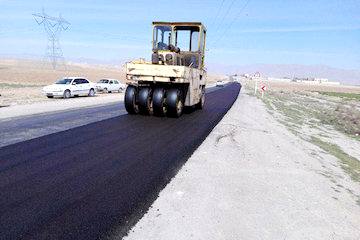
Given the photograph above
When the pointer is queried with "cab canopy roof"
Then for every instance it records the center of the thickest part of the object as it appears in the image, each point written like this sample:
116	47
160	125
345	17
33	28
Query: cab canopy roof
183	24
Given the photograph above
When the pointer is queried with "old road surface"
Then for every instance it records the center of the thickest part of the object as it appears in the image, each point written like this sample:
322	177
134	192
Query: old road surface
96	180
19	129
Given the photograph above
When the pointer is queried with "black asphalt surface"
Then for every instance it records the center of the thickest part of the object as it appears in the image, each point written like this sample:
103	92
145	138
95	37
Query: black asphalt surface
96	180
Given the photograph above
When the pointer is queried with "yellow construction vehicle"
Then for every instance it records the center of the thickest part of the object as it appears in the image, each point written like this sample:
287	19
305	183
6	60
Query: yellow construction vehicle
176	76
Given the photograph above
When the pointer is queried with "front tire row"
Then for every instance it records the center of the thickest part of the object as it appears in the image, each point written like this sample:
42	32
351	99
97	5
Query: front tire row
131	104
159	105
174	103
158	101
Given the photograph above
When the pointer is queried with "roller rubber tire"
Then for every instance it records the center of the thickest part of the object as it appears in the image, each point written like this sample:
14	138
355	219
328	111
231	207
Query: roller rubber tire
174	103
145	101
159	106
200	105
130	100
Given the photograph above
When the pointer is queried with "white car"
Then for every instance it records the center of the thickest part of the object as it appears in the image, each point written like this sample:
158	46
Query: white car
220	83
70	87
110	85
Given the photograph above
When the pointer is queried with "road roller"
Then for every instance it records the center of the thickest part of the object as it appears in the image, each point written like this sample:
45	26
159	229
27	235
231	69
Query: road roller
175	77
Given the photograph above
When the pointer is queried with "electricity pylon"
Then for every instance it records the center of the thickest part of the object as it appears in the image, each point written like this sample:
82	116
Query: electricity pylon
53	27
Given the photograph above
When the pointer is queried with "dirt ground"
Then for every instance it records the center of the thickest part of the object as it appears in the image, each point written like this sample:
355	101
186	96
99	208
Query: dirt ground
21	81
330	120
34	73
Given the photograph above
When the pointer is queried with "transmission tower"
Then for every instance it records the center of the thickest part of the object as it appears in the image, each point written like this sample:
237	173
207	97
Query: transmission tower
53	27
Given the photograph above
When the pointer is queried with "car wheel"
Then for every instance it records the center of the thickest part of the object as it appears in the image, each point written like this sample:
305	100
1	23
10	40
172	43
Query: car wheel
105	90
67	94
91	92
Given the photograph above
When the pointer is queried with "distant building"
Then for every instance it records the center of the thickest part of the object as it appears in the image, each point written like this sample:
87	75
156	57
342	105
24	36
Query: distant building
315	81
279	79
331	83
321	80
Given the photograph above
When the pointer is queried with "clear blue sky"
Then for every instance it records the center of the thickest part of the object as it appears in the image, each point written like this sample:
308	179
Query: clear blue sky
278	31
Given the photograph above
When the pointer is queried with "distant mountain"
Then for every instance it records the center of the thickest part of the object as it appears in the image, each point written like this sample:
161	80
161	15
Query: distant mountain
345	76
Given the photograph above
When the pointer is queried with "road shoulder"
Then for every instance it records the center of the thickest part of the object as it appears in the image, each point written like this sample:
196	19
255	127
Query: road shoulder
58	105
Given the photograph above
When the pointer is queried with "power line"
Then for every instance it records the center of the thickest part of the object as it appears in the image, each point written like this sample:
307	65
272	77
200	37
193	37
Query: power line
232	22
218	12
53	27
223	18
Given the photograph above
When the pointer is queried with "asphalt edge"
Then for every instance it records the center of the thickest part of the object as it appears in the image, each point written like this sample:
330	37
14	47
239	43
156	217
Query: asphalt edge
121	232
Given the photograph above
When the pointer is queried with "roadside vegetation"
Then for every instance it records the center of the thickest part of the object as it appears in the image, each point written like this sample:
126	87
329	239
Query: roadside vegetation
316	111
330	120
349	164
354	96
18	85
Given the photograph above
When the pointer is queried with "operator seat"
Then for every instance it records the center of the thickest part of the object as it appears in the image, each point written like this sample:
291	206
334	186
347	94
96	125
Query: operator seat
191	59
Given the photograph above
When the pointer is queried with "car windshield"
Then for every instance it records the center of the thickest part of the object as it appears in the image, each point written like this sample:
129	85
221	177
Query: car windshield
103	81
64	81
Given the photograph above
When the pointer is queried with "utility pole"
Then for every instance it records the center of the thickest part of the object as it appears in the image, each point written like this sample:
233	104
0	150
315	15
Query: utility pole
53	27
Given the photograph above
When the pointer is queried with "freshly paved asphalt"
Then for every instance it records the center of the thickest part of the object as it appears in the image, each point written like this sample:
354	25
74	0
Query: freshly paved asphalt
96	180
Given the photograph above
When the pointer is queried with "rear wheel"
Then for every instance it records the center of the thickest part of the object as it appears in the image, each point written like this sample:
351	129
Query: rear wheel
91	92
67	94
159	102
145	101
174	103
200	105
131	105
